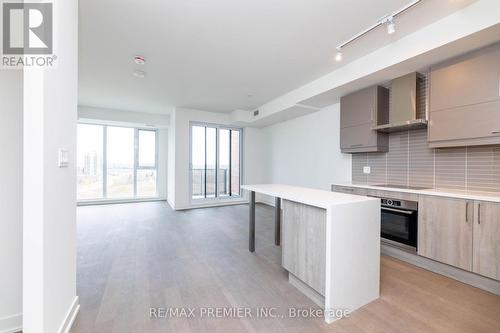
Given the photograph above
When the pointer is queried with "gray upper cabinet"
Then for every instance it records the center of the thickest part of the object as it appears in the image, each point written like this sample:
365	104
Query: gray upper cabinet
359	113
464	106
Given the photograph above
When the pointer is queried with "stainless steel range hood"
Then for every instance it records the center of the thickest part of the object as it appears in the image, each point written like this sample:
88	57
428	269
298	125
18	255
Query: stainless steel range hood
405	93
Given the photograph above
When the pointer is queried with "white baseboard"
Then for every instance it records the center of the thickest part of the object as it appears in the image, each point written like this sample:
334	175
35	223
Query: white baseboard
171	203
116	201
11	324
70	316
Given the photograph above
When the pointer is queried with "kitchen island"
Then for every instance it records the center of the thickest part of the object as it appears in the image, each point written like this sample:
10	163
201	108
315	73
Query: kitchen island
330	245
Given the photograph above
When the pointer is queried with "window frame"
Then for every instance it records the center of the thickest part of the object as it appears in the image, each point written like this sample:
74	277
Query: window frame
137	167
217	198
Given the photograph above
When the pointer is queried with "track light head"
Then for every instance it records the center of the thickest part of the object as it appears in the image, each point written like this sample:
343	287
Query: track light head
391	26
338	56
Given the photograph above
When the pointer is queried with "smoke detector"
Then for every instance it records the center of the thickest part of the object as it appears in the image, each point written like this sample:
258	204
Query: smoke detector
139	60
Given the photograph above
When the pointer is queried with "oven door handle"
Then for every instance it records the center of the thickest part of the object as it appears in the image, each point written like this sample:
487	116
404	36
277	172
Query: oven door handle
408	212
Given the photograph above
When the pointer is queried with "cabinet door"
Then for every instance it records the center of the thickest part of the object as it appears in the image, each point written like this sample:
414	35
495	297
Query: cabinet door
468	125
467	80
445	230
304	243
358	108
361	136
486	244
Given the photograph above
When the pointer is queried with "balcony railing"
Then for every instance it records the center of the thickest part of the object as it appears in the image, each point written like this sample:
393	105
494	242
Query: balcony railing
198	182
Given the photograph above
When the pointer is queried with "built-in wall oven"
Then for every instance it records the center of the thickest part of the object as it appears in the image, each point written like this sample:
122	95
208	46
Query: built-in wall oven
399	222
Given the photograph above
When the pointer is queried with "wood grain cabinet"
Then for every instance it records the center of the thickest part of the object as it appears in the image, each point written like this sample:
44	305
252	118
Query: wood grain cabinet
445	230
464	101
486	243
461	233
359	113
304	243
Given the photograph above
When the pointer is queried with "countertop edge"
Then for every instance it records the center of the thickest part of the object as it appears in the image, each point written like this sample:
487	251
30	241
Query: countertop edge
431	192
323	203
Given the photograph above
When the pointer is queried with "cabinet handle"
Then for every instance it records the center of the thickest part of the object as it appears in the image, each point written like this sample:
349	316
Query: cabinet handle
495	132
358	145
478	213
467	212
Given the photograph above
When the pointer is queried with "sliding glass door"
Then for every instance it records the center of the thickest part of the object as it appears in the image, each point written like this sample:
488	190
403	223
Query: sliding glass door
116	162
215	161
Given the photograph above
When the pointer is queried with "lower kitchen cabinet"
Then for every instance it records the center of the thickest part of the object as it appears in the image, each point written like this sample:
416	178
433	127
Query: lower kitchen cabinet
461	233
486	243
445	230
304	243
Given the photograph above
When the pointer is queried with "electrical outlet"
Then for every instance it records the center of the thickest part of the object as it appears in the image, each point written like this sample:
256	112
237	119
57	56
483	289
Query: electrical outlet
367	170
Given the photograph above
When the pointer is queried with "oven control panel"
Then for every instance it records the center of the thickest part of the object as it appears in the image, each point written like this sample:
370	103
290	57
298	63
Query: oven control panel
402	204
390	202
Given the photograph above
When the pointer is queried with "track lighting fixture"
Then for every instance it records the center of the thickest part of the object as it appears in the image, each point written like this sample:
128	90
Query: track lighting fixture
388	20
391	26
338	56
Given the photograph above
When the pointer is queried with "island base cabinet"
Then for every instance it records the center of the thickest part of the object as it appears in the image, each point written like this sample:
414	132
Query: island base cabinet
445	230
304	243
486	243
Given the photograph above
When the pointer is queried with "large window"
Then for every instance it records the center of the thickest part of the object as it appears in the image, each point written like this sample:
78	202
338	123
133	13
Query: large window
90	161
116	162
215	161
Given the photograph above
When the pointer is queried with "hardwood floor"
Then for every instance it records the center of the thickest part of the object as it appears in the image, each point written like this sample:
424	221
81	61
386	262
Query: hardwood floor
133	257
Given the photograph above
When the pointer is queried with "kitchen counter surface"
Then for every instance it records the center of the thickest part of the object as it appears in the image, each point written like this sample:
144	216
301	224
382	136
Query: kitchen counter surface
313	197
346	275
467	195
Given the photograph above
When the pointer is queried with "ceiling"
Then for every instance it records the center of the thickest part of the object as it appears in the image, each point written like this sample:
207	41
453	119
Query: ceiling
223	55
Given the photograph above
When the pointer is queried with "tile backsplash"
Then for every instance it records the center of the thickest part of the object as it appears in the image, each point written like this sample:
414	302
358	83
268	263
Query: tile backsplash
411	162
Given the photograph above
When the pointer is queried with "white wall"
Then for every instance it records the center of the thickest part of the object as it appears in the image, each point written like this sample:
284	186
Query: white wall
305	151
11	209
135	119
254	150
179	197
49	207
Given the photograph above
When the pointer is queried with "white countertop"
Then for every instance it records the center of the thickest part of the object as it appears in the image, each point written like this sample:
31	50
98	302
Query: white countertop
308	196
467	195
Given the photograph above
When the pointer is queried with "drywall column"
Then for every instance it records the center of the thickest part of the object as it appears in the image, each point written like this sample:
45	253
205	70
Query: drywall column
49	229
11	209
